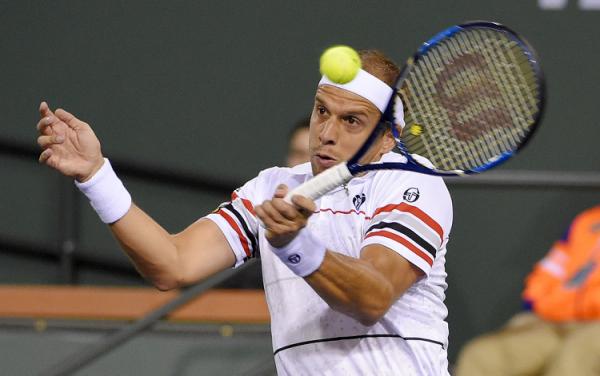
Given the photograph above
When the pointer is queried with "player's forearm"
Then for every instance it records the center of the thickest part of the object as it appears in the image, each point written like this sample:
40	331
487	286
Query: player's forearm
150	247
352	286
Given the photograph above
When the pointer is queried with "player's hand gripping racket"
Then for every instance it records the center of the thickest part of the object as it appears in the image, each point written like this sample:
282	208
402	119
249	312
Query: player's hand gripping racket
473	96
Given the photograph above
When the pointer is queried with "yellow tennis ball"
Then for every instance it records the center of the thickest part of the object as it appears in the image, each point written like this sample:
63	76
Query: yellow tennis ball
340	64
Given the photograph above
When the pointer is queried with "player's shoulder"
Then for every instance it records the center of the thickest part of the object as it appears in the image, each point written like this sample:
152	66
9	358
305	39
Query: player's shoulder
399	180
283	173
267	180
428	193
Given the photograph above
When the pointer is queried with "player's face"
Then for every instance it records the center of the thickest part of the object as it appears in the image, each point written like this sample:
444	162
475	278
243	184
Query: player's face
340	123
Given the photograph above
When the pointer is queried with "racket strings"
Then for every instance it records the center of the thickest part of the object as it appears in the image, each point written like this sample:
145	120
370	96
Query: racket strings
420	86
470	99
426	89
483	105
465	111
511	81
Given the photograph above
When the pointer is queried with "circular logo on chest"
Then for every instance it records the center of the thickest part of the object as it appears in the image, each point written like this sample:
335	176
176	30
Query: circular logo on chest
411	194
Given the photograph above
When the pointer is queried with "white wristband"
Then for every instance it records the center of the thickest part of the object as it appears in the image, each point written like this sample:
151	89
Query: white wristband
303	255
107	194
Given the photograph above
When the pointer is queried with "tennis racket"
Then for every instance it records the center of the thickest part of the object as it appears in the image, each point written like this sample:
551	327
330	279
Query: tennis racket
473	96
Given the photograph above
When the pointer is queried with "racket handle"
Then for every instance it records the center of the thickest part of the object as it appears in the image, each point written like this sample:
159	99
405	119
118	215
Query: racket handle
322	183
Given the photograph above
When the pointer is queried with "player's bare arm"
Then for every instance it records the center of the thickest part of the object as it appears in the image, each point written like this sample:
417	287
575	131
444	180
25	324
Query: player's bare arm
70	146
171	261
363	288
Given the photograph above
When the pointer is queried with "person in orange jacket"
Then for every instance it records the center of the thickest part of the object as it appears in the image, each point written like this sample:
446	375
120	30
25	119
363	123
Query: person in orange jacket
559	332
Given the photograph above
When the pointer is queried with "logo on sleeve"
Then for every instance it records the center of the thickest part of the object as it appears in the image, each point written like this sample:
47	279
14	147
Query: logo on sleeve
358	200
411	194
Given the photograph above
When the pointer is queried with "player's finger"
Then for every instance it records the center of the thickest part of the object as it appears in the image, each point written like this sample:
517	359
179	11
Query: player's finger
305	205
281	191
46	141
260	213
273	213
44	123
267	222
276	229
70	119
44	109
285	209
45	155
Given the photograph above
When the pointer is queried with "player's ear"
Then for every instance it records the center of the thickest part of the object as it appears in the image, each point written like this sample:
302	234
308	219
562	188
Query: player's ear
388	141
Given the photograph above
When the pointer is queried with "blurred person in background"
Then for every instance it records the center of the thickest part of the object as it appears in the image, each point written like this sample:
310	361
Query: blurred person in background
558	334
298	151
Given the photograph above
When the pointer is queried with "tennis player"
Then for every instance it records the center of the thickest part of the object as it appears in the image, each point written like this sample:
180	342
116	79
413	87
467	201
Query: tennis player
354	281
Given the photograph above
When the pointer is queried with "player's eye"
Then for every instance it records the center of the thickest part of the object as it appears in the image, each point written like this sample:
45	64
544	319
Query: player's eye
321	110
351	120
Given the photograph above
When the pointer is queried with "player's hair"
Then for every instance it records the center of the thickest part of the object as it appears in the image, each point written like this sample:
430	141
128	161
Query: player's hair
379	65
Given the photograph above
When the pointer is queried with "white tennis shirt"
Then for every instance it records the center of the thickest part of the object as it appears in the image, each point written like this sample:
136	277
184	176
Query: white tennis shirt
408	213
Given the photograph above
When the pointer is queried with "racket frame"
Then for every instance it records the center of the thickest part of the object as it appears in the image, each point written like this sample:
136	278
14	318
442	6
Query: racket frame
387	118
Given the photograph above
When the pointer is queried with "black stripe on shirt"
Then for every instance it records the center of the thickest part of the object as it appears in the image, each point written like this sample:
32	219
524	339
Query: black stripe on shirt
358	337
408	232
247	231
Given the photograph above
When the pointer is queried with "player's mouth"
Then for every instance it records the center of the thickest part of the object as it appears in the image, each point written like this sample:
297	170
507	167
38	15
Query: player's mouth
325	160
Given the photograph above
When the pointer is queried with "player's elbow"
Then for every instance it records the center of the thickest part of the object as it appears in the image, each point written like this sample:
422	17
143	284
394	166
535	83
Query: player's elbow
369	317
373	308
165	277
168	281
369	320
165	284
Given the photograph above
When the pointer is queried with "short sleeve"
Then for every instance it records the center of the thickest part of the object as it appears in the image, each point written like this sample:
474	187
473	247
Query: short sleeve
238	222
411	215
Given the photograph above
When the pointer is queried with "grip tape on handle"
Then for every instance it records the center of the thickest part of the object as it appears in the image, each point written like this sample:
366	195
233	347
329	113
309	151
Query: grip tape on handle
322	183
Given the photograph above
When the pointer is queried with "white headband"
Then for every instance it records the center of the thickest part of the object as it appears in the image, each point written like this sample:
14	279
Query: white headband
372	89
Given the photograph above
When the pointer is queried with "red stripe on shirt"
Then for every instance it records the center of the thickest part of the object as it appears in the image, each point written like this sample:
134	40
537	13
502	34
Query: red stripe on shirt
414	211
342	212
247	204
404	242
236	228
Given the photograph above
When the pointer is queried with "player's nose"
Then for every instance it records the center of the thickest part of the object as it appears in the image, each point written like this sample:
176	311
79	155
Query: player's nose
329	132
